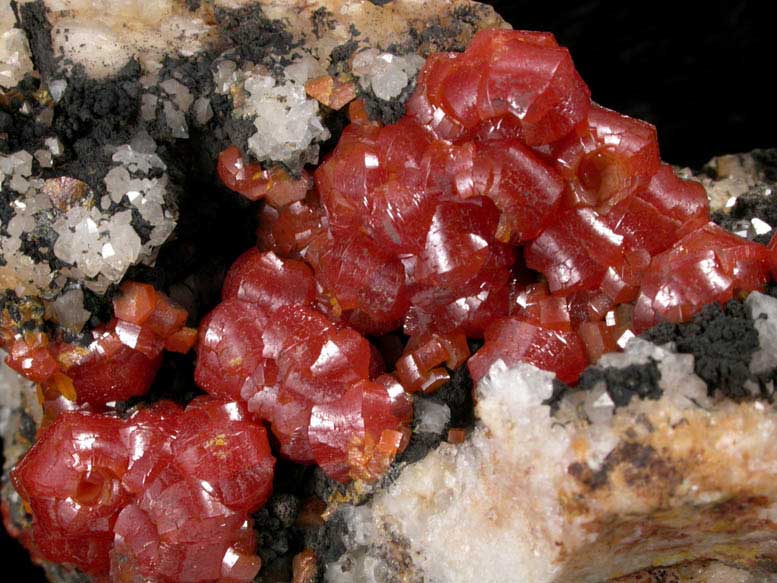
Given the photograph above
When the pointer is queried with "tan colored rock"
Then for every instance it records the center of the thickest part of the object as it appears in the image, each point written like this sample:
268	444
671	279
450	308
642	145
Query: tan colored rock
698	572
15	60
730	176
583	496
103	36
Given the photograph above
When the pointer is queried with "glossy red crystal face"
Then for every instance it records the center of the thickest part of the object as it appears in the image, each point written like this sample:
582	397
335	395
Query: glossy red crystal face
163	495
707	265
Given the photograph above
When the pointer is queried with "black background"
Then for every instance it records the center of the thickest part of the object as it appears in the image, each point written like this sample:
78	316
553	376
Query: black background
701	72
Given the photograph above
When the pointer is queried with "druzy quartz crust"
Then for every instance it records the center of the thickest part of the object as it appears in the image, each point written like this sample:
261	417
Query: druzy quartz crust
504	207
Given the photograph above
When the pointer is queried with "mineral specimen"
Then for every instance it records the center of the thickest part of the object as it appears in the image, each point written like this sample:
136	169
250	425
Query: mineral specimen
423	217
500	213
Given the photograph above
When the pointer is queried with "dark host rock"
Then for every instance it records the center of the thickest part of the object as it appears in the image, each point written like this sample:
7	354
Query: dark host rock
253	34
722	341
753	205
623	384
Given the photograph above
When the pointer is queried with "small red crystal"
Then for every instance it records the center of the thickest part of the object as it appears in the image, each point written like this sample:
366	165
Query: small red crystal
575	252
96	380
288	231
253	182
230	347
268	281
362	282
526	190
521	74
607	160
135	303
182	341
512	341
422	367
358	435
707	266
32	361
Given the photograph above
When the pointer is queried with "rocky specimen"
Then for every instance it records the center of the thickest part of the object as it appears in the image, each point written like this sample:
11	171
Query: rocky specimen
418	223
602	488
108	148
698	572
470	198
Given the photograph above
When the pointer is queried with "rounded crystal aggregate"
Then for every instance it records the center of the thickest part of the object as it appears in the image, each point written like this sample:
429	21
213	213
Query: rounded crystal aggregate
164	492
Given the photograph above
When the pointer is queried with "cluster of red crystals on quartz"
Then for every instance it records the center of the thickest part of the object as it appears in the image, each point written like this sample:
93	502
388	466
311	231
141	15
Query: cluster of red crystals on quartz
120	362
164	495
504	206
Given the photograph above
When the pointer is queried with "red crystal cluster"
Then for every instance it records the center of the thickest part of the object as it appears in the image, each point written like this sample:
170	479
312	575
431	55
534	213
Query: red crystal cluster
507	206
164	494
318	382
145	323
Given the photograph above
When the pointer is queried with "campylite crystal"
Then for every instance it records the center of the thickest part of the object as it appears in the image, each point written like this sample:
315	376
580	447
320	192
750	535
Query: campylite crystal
165	492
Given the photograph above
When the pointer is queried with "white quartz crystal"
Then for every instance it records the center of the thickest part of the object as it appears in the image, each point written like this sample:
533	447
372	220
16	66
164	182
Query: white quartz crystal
287	121
385	74
15	60
179	100
303	69
202	110
225	76
54	145
57	89
148	103
44	158
12	387
179	92
176	120
431	417
763	309
68	310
